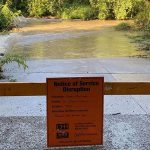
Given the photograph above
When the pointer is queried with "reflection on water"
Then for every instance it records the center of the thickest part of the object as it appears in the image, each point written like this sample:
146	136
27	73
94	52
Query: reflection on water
103	42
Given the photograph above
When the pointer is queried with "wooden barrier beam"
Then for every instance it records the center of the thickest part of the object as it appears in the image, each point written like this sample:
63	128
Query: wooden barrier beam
127	88
39	89
22	89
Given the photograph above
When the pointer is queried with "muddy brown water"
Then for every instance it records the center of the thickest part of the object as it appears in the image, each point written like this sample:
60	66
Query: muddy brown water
64	40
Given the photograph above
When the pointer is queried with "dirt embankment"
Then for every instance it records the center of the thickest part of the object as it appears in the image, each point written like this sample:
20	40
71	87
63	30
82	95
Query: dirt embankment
67	25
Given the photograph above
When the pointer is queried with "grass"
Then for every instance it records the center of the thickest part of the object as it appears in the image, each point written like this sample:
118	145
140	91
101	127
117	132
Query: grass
140	37
123	26
142	40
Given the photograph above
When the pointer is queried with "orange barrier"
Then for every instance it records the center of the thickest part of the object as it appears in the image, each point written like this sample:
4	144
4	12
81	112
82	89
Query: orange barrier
39	89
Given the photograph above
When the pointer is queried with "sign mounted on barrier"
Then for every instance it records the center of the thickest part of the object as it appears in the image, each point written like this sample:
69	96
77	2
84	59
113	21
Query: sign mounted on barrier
75	111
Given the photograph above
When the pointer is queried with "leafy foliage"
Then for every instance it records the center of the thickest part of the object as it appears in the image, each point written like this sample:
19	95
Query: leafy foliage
123	26
12	58
78	12
37	8
117	9
122	9
74	9
142	20
141	26
6	17
103	9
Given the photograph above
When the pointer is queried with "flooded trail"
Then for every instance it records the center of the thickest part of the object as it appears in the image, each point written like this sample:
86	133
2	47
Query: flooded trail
64	51
72	39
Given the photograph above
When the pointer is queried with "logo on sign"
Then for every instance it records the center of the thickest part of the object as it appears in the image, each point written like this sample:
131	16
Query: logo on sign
61	131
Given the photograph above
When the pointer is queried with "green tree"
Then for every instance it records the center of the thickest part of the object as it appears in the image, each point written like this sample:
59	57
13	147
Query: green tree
6	17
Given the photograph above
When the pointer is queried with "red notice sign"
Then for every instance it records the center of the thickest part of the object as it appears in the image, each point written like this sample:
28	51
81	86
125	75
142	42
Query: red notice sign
75	111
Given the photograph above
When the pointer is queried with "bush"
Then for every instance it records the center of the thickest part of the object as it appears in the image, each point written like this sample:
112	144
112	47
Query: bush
36	8
122	9
117	9
123	26
128	9
142	20
89	9
61	8
79	12
104	8
6	17
13	58
9	58
138	6
21	5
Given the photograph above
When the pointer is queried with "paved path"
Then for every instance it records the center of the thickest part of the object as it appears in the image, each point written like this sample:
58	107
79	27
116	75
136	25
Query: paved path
115	69
127	131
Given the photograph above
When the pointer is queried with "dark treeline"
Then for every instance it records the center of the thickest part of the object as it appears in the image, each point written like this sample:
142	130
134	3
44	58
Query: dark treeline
71	9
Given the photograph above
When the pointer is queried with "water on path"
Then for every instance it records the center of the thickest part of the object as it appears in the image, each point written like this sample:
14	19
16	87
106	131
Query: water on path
70	40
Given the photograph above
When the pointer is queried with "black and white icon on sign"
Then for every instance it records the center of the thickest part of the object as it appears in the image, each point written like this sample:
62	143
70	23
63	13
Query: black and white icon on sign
62	126
61	131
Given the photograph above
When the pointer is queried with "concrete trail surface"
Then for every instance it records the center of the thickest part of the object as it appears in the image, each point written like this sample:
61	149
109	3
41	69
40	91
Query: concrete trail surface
127	118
